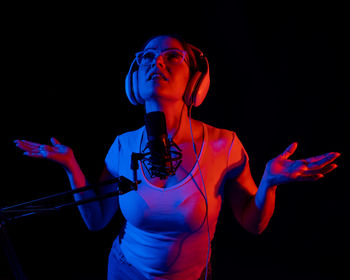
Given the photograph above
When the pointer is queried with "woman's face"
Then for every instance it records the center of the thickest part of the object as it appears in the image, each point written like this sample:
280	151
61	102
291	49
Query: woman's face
162	80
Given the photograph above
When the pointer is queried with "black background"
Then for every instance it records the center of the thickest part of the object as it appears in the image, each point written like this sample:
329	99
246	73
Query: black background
279	73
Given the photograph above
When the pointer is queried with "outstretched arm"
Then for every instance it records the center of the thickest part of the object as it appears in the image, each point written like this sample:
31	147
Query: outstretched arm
95	214
252	206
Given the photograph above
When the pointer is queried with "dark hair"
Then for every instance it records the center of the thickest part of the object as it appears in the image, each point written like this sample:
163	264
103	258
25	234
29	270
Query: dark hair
192	60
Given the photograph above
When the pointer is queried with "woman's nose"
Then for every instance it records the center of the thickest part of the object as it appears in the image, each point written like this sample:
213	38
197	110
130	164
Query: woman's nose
159	61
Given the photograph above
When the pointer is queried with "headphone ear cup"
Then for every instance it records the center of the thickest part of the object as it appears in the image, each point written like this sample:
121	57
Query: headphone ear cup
129	83
198	86
202	87
135	86
190	89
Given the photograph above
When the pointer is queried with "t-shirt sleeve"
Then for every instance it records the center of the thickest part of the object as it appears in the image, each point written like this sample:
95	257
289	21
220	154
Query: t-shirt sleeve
112	158
237	157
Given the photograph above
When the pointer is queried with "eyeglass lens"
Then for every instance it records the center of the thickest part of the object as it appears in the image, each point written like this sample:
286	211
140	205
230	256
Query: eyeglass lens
169	57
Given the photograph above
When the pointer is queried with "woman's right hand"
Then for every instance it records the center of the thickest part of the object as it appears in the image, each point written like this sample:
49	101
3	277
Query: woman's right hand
56	152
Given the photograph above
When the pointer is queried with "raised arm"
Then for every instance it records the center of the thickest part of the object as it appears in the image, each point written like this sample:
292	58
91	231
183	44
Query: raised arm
96	215
242	192
252	206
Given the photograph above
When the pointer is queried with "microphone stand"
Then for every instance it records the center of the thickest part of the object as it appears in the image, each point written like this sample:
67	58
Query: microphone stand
11	213
9	252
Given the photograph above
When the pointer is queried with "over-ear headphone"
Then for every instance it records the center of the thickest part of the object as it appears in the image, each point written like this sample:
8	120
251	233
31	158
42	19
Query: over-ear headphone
197	87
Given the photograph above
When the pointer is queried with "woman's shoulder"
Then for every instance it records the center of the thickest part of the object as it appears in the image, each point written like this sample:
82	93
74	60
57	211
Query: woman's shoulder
128	138
218	133
132	134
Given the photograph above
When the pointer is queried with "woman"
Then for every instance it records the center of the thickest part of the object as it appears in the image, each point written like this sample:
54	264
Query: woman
171	221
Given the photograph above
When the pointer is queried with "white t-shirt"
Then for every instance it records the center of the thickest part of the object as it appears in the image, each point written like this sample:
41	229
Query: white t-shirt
165	235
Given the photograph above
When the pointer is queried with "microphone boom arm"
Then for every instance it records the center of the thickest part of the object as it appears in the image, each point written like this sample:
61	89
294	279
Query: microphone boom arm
123	185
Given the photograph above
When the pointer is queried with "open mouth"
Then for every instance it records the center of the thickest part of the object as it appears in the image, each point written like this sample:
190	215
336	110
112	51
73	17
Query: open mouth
157	76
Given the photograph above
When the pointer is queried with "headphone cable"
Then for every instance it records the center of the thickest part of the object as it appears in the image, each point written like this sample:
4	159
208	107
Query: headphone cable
204	195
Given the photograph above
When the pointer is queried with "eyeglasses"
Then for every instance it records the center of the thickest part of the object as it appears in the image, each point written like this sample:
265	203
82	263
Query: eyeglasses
171	56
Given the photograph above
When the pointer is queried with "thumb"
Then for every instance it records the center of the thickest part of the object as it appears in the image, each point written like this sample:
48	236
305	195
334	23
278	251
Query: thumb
290	150
54	141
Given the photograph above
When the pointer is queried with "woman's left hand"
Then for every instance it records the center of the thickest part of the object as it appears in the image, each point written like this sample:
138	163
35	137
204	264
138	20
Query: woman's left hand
281	169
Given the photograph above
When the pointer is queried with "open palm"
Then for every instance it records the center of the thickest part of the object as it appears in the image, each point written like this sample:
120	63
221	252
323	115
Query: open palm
56	152
282	170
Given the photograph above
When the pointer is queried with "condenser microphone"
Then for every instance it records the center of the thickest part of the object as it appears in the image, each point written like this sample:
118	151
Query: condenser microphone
160	160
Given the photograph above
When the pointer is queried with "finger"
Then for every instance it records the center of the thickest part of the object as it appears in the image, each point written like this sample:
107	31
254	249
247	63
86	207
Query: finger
27	143
320	157
290	150
33	149
54	141
321	161
27	147
324	170
24	146
309	177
